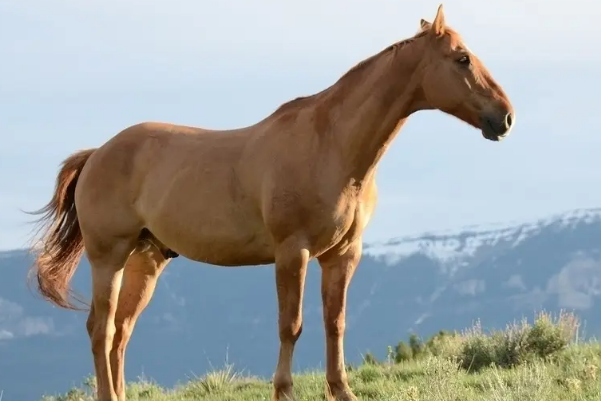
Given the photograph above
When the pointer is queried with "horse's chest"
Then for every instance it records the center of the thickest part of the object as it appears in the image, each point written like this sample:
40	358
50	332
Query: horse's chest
321	219
327	228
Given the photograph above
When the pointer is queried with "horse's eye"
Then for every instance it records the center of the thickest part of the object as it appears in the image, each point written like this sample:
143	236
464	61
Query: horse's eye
464	60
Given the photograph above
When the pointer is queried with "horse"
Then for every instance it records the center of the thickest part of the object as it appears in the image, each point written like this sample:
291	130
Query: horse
297	185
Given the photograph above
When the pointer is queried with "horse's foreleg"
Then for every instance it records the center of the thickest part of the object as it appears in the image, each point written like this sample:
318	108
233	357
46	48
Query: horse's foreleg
139	282
337	272
290	271
107	270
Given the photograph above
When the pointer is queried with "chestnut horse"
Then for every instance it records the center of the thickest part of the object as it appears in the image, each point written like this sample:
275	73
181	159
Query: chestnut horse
297	185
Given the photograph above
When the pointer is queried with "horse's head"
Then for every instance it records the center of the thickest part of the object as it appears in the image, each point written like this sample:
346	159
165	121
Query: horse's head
455	81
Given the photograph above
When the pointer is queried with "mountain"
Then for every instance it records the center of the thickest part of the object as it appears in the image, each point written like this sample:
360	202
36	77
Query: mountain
201	314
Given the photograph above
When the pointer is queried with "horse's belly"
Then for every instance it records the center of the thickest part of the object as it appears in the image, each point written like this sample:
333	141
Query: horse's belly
228	251
220	241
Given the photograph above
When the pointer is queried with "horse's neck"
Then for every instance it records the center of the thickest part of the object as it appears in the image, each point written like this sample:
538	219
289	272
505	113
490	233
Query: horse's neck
372	109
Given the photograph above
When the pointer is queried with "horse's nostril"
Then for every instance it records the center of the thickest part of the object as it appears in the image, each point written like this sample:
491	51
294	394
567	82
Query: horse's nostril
508	120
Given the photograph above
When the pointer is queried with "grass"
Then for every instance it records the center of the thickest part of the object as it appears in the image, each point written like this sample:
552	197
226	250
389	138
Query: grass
525	362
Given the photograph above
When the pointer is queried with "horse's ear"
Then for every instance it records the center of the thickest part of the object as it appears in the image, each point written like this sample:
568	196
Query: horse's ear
438	26
424	24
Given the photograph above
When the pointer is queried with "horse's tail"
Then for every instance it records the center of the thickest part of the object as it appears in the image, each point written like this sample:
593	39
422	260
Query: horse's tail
62	243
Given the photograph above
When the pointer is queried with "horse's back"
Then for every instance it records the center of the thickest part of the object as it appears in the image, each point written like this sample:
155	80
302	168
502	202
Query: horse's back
162	147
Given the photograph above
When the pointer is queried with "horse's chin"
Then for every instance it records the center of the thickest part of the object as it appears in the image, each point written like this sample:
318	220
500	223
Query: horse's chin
491	136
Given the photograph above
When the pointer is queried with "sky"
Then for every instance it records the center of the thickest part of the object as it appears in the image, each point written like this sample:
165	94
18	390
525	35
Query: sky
74	73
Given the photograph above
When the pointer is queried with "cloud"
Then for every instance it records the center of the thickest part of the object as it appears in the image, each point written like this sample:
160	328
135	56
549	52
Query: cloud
533	299
14	323
169	321
515	281
6	335
9	310
577	284
421	318
470	287
32	326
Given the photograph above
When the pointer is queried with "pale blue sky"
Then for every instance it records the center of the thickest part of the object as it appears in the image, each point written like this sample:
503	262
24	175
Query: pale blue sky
74	73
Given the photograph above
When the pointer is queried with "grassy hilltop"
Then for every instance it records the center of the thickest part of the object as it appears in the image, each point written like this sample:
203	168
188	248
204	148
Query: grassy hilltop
545	360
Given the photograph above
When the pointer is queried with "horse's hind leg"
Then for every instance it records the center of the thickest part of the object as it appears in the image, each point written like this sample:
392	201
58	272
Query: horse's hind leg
107	259
139	282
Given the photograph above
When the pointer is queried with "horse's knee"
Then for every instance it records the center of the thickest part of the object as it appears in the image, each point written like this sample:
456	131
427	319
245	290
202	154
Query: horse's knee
335	328
291	331
101	338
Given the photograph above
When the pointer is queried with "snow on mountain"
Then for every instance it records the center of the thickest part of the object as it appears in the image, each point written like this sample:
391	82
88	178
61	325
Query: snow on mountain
453	248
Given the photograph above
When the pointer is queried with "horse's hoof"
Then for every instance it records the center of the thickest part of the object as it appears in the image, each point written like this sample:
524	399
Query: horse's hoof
340	393
283	394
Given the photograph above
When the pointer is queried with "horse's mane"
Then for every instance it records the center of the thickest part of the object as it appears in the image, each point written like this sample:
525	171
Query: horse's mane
352	72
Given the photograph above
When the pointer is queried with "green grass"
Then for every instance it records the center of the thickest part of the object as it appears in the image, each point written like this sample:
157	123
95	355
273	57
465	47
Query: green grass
543	361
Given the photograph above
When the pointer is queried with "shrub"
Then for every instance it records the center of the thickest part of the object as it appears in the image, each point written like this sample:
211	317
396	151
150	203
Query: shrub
445	345
216	381
370	359
416	345
547	337
478	350
518	343
403	352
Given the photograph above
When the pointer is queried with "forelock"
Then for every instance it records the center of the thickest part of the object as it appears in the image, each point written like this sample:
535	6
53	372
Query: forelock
454	38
